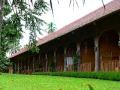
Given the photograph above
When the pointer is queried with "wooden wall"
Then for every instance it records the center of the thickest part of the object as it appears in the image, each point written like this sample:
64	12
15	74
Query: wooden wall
109	50
87	55
60	59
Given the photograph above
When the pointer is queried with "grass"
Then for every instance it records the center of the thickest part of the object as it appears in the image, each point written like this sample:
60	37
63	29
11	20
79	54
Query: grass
41	82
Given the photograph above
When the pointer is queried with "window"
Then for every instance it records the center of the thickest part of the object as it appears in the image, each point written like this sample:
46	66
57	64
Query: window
69	61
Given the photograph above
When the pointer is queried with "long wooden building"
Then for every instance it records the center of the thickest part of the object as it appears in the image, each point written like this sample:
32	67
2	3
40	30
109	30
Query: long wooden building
91	43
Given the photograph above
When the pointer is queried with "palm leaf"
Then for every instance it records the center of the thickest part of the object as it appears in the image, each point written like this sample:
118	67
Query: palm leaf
83	2
51	5
70	3
103	3
77	3
58	1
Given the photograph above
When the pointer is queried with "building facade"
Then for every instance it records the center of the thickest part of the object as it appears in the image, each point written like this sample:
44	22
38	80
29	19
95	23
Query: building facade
91	43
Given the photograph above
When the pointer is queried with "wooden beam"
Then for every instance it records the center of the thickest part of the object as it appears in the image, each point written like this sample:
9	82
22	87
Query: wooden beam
97	54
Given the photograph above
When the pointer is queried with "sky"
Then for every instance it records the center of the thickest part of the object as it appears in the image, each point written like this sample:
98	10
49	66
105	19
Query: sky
65	14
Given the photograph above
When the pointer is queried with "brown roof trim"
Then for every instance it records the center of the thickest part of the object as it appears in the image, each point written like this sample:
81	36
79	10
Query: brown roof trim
93	16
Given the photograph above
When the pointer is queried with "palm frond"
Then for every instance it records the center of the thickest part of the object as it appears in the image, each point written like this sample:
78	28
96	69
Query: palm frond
51	6
103	3
77	3
83	2
70	3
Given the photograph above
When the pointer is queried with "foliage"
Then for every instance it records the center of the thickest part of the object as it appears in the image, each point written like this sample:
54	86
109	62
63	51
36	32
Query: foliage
4	62
51	27
52	66
33	48
15	47
75	61
115	76
14	15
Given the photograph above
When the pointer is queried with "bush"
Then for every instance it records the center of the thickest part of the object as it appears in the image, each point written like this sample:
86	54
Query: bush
115	76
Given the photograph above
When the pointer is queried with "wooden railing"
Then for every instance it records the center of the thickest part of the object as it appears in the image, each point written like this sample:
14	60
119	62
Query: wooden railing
84	67
49	69
111	65
70	68
59	68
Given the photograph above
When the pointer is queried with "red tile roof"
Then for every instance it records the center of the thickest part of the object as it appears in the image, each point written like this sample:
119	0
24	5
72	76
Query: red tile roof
97	14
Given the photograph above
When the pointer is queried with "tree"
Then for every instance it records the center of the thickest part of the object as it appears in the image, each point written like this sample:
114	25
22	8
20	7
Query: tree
23	13
51	27
15	47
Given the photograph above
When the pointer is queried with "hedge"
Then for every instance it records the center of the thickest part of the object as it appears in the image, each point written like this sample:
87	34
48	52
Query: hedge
114	76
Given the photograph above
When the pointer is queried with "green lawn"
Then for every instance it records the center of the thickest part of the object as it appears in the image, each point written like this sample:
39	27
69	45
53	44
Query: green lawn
35	82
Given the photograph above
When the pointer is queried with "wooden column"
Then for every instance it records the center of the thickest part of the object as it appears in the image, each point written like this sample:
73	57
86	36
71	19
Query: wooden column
119	39
78	55
10	68
39	61
30	63
18	67
55	59
33	64
97	56
46	57
119	46
28	69
15	69
15	66
65	59
25	67
22	64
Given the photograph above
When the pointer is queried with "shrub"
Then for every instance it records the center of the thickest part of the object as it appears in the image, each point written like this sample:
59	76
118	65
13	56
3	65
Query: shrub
115	76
